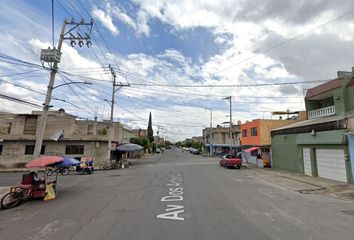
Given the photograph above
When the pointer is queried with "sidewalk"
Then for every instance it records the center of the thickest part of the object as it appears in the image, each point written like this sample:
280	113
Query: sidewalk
306	184
14	170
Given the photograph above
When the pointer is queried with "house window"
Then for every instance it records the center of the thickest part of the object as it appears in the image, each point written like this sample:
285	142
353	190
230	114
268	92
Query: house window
29	150
244	133
254	131
30	125
328	102
0	149
74	149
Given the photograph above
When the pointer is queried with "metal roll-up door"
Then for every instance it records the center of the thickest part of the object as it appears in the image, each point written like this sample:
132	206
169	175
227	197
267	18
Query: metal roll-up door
307	161
331	164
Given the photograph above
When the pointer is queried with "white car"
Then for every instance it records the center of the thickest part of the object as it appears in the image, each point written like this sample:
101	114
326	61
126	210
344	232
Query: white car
158	150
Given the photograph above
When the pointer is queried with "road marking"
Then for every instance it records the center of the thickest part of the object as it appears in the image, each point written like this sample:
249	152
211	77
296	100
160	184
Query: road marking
174	214
175	194
237	180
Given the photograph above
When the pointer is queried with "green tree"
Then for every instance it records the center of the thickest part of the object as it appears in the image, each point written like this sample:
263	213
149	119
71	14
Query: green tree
142	141
150	132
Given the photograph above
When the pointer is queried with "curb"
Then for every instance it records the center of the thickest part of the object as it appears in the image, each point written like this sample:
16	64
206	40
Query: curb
14	170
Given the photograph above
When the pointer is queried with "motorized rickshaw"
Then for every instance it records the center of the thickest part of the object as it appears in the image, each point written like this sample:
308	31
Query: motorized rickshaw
86	166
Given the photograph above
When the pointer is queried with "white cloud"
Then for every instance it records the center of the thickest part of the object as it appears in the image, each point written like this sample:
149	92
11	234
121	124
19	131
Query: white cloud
105	19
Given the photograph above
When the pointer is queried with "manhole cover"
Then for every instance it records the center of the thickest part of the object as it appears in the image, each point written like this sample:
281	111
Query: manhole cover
114	175
350	212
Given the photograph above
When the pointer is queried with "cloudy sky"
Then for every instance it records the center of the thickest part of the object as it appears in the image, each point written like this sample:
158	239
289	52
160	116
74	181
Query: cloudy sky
180	58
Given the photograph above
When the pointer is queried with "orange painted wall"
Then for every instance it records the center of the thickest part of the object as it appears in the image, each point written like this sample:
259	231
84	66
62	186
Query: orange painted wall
251	140
264	128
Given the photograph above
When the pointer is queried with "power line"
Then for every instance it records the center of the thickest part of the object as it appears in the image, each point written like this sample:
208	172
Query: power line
287	41
225	85
73	91
20	86
22	73
18	100
53	22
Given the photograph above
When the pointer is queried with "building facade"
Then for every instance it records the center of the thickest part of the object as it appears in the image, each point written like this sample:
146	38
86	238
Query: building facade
321	146
222	140
256	138
81	138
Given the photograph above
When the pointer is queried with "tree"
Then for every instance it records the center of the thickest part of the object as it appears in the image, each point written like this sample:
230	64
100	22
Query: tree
142	141
150	132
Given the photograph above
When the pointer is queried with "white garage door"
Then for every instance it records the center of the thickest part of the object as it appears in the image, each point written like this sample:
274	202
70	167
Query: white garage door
331	164
307	161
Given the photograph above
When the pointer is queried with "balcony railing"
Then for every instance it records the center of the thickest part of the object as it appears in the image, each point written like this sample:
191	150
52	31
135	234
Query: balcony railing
322	112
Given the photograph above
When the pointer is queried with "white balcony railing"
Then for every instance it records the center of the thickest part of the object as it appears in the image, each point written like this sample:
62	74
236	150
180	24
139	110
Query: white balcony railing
322	112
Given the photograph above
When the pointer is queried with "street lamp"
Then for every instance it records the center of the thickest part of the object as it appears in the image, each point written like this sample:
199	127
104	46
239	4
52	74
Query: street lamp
229	99
211	116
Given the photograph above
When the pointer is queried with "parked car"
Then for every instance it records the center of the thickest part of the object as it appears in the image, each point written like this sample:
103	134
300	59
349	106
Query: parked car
196	151
158	150
168	147
231	161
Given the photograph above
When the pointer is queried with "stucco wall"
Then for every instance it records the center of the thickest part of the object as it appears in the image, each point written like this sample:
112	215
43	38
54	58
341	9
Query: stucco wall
287	149
263	127
13	153
286	154
349	98
351	124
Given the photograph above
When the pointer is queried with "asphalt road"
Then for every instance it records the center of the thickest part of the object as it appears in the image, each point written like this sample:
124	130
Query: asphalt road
176	195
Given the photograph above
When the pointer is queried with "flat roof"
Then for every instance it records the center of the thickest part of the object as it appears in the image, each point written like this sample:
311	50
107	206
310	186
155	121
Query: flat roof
312	122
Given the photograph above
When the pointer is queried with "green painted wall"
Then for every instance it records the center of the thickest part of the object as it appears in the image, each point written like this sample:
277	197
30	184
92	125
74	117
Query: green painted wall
325	138
286	154
349	98
343	100
287	149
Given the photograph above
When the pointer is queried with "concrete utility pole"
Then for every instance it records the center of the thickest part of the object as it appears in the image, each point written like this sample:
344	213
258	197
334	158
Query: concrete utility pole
111	127
211	116
230	126
53	56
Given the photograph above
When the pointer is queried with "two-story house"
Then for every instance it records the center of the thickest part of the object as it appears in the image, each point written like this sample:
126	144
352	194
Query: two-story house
319	145
256	140
221	140
81	138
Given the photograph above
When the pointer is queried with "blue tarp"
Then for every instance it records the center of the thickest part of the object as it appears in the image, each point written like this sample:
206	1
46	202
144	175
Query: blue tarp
68	161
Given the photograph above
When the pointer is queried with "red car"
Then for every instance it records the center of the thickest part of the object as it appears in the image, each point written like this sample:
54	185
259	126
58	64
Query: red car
231	161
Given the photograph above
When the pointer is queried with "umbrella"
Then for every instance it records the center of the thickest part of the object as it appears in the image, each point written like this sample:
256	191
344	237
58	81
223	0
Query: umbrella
68	161
43	161
129	147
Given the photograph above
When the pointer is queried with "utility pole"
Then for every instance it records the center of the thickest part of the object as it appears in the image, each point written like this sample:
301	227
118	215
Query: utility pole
230	126
211	116
53	56
111	127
